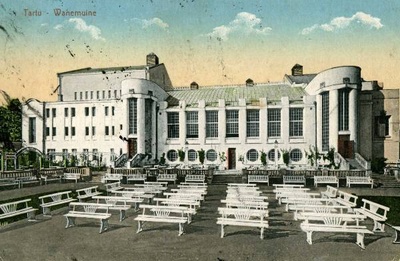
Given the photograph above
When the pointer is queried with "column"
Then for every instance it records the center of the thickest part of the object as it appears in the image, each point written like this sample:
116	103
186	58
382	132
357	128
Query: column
141	131
318	124
333	118
353	117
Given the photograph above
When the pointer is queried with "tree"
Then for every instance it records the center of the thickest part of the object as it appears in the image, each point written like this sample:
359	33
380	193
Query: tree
10	121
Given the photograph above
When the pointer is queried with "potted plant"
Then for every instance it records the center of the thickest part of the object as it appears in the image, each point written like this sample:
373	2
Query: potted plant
162	159
181	154
263	158
201	156
222	158
285	157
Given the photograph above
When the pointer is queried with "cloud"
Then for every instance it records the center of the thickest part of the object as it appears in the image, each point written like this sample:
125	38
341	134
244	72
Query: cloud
153	22
344	22
244	23
81	26
58	27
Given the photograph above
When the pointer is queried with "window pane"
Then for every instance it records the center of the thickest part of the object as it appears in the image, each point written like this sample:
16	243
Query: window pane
253	123
232	123
211	124
192	126
274	123
173	124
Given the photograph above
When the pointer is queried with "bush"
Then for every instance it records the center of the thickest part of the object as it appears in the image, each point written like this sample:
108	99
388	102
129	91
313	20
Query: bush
378	164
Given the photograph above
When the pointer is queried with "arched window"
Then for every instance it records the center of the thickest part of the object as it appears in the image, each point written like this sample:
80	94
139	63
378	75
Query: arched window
296	155
271	155
192	155
211	155
252	155
172	155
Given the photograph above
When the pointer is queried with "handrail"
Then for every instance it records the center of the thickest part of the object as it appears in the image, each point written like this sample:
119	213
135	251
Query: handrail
363	162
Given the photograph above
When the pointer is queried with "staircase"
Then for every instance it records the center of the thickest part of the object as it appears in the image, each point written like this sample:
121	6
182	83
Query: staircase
385	181
227	176
354	164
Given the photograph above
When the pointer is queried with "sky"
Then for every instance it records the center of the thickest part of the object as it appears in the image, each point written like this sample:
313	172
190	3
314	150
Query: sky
212	42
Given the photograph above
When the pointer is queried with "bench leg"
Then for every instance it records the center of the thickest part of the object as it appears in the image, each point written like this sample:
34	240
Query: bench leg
122	215
46	212
222	231
360	240
189	218
262	233
309	237
181	231
397	237
140	227
31	216
70	222
103	225
378	227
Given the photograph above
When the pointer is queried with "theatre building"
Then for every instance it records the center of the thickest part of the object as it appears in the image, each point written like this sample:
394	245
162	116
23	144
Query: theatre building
121	116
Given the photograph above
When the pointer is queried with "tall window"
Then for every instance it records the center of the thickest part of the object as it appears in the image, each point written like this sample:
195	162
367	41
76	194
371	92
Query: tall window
72	131
53	112
274	123
344	109
32	129
253	123
192	124
232	123
106	111
93	130
132	115
325	121
65	112
86	95
75	96
86	131
173	124
54	131
72	112
93	111
47	113
86	111
66	131
91	95
98	95
382	126
112	111
211	124
296	122
107	131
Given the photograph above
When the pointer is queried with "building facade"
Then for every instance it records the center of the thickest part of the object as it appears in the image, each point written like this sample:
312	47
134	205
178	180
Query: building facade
112	115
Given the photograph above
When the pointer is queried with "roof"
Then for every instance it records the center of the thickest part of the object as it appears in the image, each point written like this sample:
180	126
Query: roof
108	69
299	79
231	94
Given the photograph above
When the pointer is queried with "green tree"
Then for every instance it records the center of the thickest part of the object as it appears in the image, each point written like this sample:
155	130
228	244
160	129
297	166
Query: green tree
10	121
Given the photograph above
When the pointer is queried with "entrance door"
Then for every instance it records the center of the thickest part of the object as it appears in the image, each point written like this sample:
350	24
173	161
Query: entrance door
132	147
231	158
345	146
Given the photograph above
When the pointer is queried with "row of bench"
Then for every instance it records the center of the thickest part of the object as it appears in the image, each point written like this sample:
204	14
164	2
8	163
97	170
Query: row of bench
143	177
350	180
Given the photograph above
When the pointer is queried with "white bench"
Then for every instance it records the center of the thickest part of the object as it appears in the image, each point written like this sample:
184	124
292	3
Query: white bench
258	179
87	193
195	178
359	180
16	208
294	179
30	179
190	205
240	185
243	217
162	214
326	180
136	177
72	176
287	186
124	199
167	177
236	203
7	182
55	199
117	203
90	211
334	223
184	195
192	184
300	209
110	187
111	177
346	199
376	212
156	183
51	175
330	192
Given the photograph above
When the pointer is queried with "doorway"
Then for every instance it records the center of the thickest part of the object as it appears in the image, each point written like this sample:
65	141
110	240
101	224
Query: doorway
232	158
132	147
345	146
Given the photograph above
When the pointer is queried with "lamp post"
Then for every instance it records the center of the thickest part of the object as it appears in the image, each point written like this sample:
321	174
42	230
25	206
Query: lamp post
276	153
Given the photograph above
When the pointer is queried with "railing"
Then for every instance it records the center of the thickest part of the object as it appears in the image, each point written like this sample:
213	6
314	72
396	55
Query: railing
364	163
15	174
51	172
125	171
121	160
307	173
344	165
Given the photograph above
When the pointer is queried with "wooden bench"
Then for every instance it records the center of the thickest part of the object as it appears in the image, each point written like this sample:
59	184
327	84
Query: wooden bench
334	223
258	179
156	183
16	208
299	209
111	177
191	205
359	180
288	186
294	179
87	193
326	180
9	182
136	177
29	179
167	177
51	175
236	203
117	203
330	192
240	185
195	178
192	184
162	214
72	176
243	217
376	212
346	199
110	187
124	199
90	211
55	199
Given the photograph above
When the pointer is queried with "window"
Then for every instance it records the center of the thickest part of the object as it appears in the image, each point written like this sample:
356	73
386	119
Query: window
32	129
112	130
211	124
75	96
120	127
232	123
51	154
211	155
382	125
112	111
91	95
271	155
115	94
72	131
344	109
72	112
192	125
173	124
93	130
172	155
95	152
192	155
65	153
132	115
65	112
47	131
47	113
296	122
93	111
104	94
54	131
296	155
86	111
86	95
98	95
66	129
252	155
86	131
325	121
53	112
109	94
253	123
106	111
274	123
80	96
107	131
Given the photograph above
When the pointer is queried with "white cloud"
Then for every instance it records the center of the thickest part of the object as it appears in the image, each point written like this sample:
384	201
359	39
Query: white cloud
156	22
81	26
244	23
58	27
344	22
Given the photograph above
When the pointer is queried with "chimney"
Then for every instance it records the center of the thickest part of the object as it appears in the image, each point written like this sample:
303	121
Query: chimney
151	59
249	82
194	86
297	70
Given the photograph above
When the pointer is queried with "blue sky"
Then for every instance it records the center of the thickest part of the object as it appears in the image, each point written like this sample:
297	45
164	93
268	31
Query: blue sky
210	42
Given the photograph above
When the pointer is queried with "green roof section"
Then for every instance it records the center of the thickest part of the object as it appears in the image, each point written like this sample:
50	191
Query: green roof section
231	94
